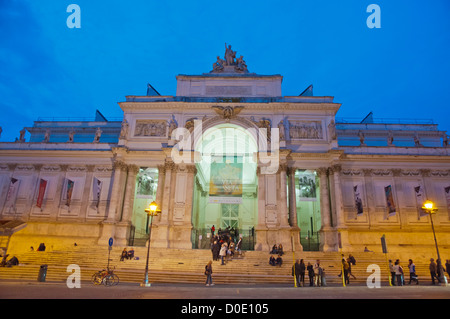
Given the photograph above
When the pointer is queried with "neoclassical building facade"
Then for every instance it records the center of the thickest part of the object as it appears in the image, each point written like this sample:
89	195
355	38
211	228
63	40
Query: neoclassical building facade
228	150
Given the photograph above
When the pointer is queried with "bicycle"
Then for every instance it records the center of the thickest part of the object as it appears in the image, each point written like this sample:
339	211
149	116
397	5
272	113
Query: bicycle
106	277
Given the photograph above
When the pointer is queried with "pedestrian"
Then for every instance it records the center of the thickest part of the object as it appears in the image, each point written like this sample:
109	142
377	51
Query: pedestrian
223	252
213	229
124	254
412	272
302	273
433	271
216	250
316	267
310	270
398	273
392	270
349	261
296	272
438	271
208	273
346	267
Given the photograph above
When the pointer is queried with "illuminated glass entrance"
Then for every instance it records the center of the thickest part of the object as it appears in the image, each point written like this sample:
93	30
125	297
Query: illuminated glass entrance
225	190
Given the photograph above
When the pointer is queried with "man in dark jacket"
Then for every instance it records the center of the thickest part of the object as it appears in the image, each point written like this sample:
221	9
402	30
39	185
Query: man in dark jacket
216	250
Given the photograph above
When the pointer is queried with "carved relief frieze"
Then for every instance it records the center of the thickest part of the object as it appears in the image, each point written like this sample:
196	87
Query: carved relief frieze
151	128
299	130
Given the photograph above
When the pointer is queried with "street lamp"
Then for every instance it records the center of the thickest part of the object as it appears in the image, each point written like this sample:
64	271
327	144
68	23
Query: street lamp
151	211
429	208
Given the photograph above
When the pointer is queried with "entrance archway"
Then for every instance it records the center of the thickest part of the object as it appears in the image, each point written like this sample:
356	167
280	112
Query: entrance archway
225	188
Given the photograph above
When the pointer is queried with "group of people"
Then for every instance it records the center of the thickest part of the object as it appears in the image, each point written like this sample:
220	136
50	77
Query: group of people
316	273
127	254
276	250
224	248
398	274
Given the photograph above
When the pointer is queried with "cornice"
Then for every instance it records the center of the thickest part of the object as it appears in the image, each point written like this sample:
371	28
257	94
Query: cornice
168	106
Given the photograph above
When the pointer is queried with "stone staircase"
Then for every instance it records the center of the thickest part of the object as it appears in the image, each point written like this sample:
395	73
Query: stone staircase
187	266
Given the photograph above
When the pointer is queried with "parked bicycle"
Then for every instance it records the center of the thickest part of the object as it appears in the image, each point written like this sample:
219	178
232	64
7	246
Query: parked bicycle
105	277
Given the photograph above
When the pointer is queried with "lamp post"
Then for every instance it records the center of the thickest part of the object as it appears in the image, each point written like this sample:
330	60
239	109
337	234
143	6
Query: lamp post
151	211
429	208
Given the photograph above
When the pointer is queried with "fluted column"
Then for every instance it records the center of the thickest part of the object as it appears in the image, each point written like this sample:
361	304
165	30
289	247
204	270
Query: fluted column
130	188
282	202
340	218
87	188
324	198
159	190
167	194
292	198
119	167
328	238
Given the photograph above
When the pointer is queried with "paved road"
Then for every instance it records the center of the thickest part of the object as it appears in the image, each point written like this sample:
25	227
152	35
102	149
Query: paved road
59	290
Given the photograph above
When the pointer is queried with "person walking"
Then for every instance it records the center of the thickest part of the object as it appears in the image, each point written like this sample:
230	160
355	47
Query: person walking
208	273
433	271
412	272
302	273
296	272
317	281
223	252
346	267
392	270
310	270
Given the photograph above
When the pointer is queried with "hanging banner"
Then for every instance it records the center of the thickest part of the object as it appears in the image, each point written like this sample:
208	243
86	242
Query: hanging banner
420	199
225	184
69	191
307	187
42	188
97	191
12	193
390	201
358	200
447	196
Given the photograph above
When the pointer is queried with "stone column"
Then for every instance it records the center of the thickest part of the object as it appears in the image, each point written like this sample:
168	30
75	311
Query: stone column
398	188
60	187
292	197
108	225
340	216
122	232
169	166
324	197
87	188
282	202
119	168
327	240
130	189
261	227
160	190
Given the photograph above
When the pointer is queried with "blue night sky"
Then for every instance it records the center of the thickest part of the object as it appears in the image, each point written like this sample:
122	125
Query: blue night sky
49	70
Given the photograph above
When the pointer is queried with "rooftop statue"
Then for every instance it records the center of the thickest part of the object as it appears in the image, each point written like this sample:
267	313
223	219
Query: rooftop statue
230	64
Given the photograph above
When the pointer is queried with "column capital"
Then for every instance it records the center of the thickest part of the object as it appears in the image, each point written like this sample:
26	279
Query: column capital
396	171
367	171
322	171
424	172
336	168
133	168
